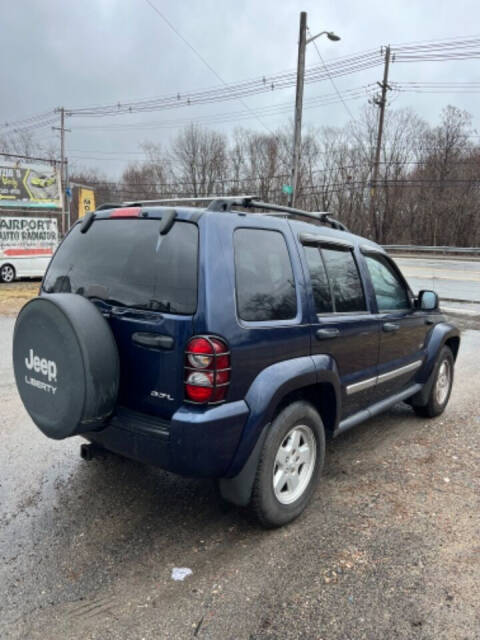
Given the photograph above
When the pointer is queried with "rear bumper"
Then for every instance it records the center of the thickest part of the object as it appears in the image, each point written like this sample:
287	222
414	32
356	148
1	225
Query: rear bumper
194	442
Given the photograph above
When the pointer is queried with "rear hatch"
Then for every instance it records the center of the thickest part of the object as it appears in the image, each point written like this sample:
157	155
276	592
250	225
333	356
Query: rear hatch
145	284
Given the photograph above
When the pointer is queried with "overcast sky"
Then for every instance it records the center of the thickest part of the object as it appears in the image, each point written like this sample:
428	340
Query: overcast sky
60	52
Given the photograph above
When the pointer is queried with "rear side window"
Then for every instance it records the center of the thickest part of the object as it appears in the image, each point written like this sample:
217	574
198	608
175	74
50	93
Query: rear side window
319	279
345	281
127	262
264	277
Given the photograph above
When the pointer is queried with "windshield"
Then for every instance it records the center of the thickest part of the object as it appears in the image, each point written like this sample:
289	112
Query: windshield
127	262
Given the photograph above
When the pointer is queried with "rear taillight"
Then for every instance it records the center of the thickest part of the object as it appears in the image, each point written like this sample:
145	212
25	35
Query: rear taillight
207	370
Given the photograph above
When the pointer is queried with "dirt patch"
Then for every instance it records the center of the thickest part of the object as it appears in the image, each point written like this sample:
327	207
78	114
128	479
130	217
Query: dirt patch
388	549
464	322
13	296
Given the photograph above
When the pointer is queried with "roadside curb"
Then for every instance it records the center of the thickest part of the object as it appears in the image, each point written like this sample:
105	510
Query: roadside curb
456	311
460	300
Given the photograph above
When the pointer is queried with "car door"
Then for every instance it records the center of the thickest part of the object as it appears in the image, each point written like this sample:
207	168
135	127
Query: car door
342	323
403	326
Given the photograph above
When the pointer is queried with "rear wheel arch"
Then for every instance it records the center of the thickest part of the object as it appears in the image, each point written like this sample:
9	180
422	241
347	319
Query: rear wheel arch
290	464
322	396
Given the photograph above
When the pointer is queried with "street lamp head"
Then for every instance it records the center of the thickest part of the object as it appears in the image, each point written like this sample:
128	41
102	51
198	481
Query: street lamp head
332	36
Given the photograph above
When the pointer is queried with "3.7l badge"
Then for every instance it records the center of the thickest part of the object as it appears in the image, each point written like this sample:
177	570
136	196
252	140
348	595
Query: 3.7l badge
161	396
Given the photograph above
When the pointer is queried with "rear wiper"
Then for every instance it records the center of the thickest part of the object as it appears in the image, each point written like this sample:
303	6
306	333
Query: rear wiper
108	301
151	305
158	305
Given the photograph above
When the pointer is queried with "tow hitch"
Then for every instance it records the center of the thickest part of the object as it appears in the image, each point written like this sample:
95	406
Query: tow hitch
90	451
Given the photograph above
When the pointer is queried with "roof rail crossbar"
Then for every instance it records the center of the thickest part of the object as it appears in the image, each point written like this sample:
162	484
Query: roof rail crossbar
282	210
321	216
225	203
214	201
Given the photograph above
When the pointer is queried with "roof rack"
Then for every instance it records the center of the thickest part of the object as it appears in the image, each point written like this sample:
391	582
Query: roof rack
228	201
225	203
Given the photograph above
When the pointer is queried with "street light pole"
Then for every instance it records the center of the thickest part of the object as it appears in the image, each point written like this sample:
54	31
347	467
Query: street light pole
297	135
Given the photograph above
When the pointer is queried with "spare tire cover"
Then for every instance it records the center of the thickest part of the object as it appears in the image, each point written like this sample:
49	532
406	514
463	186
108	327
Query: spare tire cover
66	364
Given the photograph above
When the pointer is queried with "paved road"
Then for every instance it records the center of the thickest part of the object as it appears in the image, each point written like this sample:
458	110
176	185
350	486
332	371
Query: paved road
388	549
450	278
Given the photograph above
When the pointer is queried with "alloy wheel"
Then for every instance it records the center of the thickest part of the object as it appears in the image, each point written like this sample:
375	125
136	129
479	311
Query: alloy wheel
294	464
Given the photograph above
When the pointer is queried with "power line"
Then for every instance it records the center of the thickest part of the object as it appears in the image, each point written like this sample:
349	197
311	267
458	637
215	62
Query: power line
24	157
260	85
209	66
331	79
347	109
447	49
282	176
224	117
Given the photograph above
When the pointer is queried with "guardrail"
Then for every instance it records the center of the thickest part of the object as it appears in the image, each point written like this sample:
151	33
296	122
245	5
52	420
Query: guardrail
413	248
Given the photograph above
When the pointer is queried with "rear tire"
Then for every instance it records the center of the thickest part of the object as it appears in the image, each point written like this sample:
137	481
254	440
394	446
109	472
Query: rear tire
290	465
7	273
441	388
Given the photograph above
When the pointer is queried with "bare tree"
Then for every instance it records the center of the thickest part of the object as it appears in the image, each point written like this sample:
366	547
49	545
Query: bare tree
199	161
427	189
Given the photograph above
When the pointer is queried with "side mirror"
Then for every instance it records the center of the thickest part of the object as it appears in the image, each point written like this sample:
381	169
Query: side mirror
428	300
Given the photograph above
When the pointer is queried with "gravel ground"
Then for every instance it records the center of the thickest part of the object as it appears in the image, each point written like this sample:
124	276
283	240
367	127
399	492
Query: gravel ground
388	549
13	296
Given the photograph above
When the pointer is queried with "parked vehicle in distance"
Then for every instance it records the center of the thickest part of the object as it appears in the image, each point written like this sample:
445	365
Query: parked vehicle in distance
226	343
26	246
43	181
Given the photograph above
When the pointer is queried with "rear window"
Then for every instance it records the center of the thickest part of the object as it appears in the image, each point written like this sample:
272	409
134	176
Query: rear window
127	262
264	276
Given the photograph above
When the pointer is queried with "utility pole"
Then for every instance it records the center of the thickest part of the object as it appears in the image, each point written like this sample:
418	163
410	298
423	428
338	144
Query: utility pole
297	137
381	102
63	171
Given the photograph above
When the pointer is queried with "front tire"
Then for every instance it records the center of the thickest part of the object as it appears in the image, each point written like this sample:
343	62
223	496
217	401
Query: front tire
290	465
7	273
441	388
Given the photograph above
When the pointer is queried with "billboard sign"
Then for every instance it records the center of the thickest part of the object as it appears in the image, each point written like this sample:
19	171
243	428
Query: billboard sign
27	236
33	186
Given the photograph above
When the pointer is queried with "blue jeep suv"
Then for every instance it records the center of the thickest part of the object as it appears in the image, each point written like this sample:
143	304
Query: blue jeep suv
226	342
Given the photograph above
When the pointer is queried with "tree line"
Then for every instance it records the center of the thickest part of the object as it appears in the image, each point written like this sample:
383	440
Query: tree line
427	191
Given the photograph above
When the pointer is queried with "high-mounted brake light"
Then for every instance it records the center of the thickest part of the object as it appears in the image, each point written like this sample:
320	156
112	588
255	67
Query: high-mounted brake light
207	370
126	212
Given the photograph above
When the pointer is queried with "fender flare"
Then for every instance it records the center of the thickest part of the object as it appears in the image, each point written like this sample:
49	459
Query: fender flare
263	397
438	337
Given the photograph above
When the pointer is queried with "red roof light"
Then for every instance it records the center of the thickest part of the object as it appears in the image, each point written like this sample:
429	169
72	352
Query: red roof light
126	212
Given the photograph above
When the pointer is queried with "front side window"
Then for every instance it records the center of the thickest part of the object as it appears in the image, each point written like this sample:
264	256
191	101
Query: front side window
345	280
264	278
390	291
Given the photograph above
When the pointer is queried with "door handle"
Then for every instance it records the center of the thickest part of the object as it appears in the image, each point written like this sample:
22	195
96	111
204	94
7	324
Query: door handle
327	333
153	340
390	327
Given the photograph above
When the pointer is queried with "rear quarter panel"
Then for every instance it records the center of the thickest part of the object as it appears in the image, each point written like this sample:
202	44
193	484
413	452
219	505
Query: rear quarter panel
254	345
